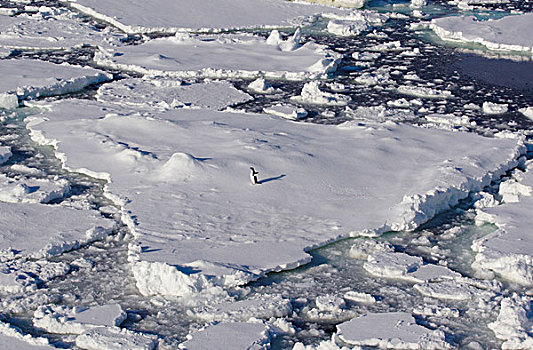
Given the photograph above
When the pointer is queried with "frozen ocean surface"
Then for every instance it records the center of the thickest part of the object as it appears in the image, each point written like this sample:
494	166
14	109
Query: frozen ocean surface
392	141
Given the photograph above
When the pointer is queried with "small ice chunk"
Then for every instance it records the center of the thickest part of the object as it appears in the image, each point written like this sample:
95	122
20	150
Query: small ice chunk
261	86
394	330
366	56
417	3
233	336
347	28
329	303
5	154
114	338
422	91
312	94
494	108
513	324
379	77
511	190
527	111
79	319
286	111
447	289
31	190
12	338
8	101
359	297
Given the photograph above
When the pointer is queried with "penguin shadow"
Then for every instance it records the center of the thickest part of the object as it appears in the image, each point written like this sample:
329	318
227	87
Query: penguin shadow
264	181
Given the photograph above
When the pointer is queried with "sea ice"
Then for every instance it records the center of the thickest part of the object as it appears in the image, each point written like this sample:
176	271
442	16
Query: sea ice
422	91
229	336
508	251
51	31
21	275
394	330
114	338
79	319
286	111
31	190
261	86
223	56
149	93
33	78
340	3
311	94
511	33
167	16
170	172
527	111
494	108
48	230
12	338
5	154
514	323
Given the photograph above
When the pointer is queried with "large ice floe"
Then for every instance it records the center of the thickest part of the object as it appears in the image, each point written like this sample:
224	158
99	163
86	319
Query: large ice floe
511	33
167	16
224	56
181	178
508	251
32	78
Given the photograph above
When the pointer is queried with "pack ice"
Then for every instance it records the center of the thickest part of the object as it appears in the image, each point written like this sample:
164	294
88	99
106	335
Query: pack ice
224	56
32	78
167	16
181	178
511	33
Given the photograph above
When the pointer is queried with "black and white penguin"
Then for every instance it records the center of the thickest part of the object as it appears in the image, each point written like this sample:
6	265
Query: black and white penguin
253	176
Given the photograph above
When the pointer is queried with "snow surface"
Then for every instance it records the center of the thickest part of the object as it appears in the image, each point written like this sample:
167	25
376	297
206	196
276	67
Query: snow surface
223	56
12	338
18	190
181	178
511	33
508	251
230	336
394	330
114	338
32	78
167	16
48	230
167	93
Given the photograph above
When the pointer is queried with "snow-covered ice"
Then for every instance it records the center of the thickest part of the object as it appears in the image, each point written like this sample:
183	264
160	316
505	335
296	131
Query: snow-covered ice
230	336
14	190
77	320
13	338
312	94
32	78
114	338
223	56
494	108
48	230
508	251
286	111
171	171
527	111
513	324
394	330
511	33
149	93
5	154
166	16
422	91
261	86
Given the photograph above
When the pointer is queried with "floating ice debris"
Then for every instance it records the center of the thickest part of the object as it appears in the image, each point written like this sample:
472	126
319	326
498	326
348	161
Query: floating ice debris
527	111
514	324
471	4
5	154
511	33
359	297
508	251
79	319
340	3
149	93
172	218
114	338
447	290
261	86
311	94
417	3
31	190
243	310
399	103
494	108
222	56
19	275
230	336
48	230
33	78
347	28
422	91
286	111
13	338
362	248
388	46
448	121
200	15
380	76
394	330
366	56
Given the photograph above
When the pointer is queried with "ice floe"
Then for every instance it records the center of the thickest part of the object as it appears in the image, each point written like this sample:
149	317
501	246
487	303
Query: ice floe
114	338
48	230
513	324
170	172
77	320
422	91
311	94
527	111
394	330
261	86
508	250
223	56
494	108
32	78
13	190
166	16
510	33
286	111
230	336
13	338
148	93
5	154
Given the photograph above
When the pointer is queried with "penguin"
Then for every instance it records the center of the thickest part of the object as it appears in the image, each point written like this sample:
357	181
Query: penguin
253	176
